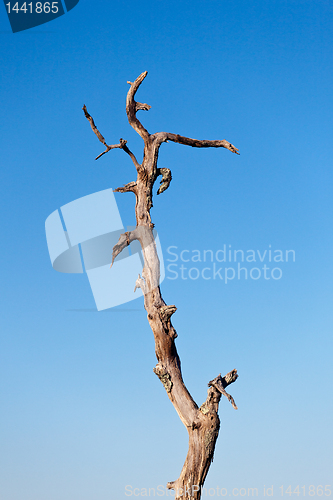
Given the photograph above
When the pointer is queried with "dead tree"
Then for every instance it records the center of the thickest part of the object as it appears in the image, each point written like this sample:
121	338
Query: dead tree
201	423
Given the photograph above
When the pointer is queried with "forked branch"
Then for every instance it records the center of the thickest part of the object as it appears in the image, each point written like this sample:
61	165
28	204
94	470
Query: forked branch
122	143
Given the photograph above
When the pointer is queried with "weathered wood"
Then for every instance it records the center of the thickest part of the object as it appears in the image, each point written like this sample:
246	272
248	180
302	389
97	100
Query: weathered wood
202	423
195	143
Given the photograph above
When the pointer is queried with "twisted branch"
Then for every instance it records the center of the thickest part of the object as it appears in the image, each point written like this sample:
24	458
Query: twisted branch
166	179
195	143
132	107
220	383
121	145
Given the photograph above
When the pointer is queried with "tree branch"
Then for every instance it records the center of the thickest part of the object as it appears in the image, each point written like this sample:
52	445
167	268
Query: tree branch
140	283
220	383
166	179
130	187
93	126
99	135
143	107
121	145
132	107
124	240
195	143
131	155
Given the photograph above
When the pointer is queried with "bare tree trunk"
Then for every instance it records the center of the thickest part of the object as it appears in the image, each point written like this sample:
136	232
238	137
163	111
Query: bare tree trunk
202	423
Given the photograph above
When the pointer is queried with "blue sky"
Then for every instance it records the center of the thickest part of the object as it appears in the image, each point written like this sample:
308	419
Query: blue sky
83	414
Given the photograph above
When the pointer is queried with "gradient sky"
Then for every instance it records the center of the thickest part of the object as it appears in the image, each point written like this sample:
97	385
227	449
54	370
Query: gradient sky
82	413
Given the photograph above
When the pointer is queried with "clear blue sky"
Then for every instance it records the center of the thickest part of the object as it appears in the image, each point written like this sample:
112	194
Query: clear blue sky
83	414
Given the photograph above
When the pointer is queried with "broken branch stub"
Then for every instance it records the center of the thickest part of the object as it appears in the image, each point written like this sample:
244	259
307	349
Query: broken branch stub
220	383
124	240
166	179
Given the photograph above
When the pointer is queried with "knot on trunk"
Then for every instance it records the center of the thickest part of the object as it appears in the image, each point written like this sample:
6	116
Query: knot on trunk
164	376
166	312
204	409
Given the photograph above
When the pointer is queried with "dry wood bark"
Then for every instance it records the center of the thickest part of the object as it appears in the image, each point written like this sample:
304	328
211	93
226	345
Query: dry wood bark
202	423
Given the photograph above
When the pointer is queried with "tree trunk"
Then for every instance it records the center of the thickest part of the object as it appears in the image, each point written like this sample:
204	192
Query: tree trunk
202	423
